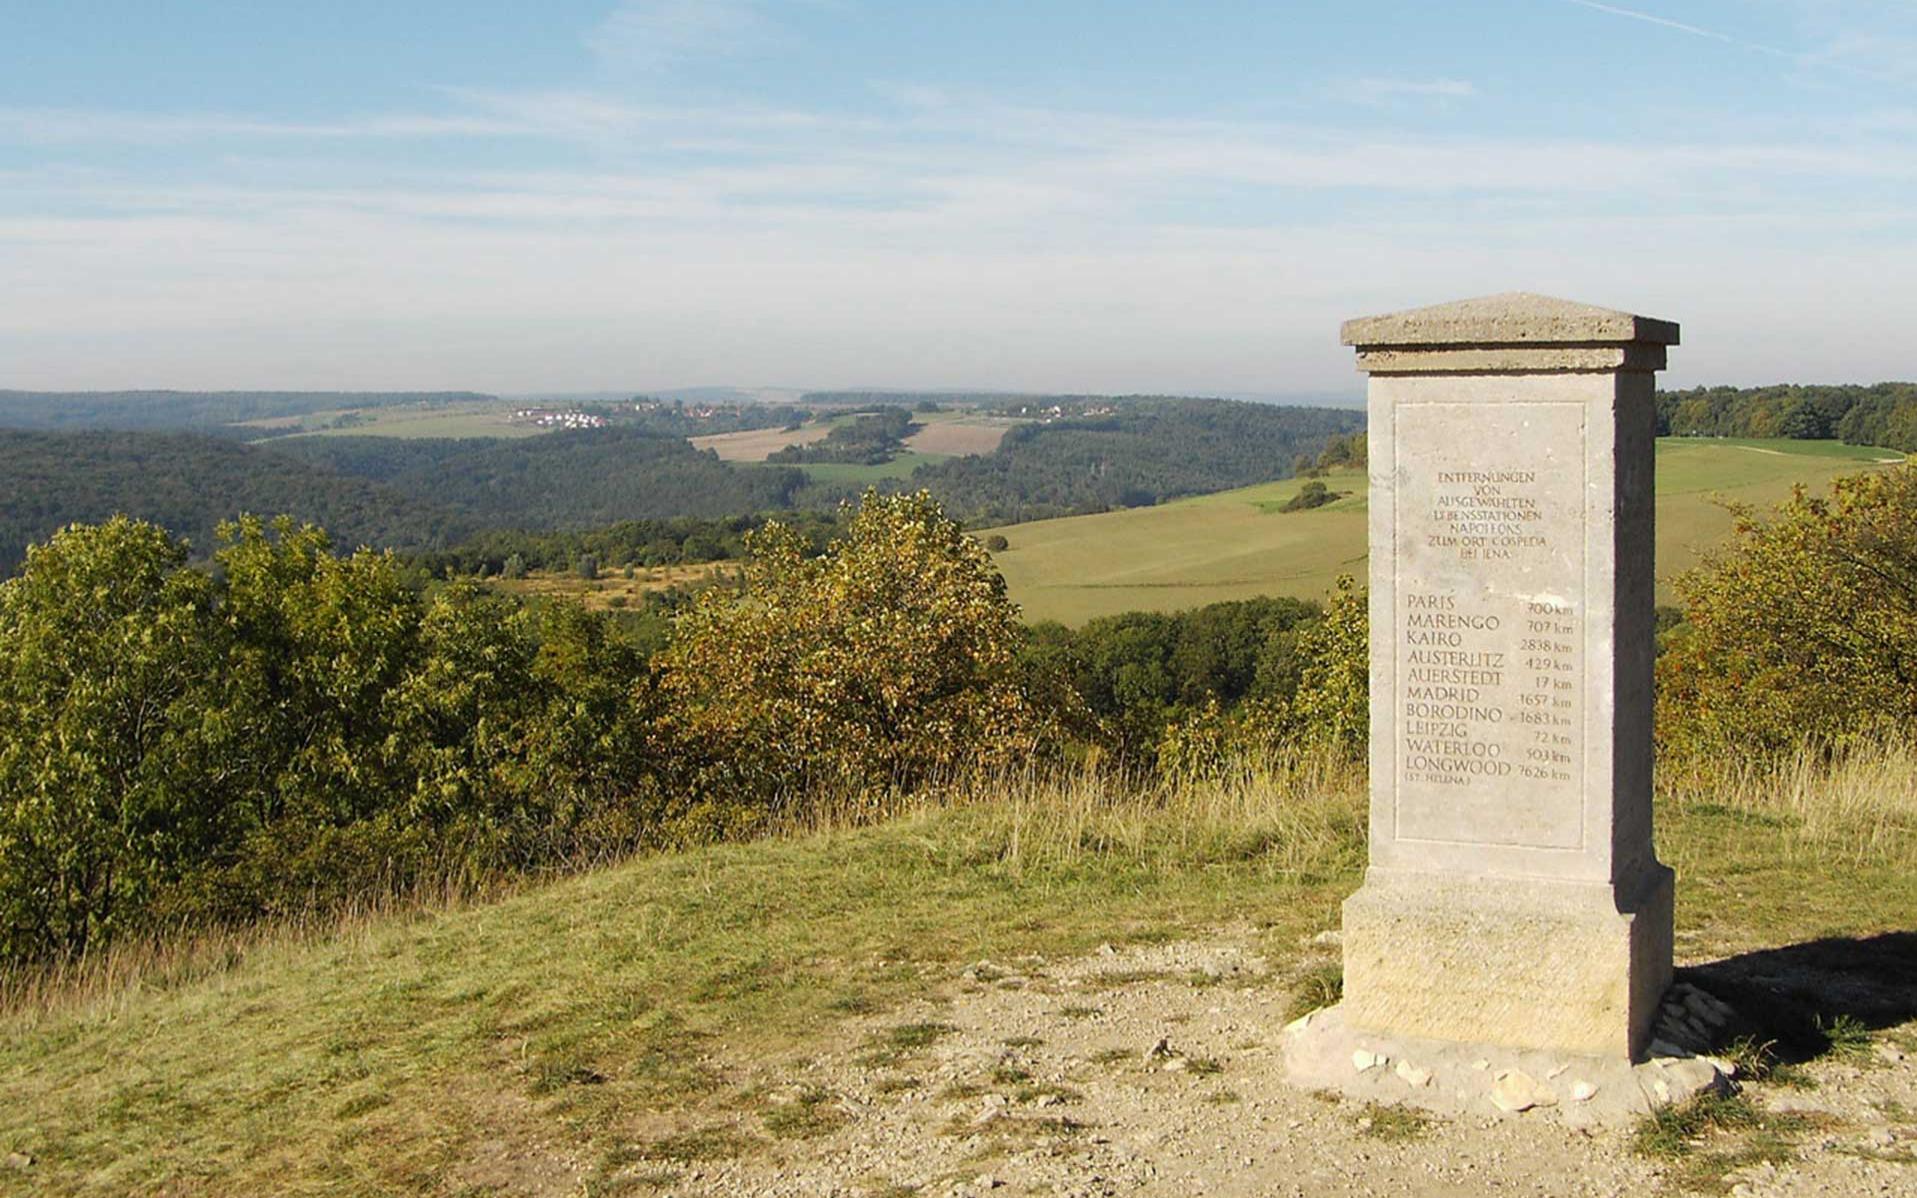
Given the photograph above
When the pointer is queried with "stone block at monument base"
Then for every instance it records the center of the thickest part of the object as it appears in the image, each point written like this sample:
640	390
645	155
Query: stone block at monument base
1513	903
1521	963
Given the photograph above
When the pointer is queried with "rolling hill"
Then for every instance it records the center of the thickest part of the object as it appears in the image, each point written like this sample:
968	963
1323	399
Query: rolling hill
1237	544
190	482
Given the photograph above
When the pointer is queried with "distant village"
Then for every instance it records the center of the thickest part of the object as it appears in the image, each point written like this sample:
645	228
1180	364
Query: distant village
1050	412
558	418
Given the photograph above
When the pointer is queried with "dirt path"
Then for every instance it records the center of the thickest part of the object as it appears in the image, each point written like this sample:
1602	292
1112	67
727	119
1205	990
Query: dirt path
1156	1071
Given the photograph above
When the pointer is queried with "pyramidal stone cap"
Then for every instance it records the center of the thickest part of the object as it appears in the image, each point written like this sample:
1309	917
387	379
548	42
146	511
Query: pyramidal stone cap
1516	332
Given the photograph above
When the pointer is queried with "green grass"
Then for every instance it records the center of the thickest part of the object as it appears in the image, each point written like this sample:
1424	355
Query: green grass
1393	1124
1713	1135
1815	449
559	1016
900	466
640	1015
1238	544
1317	987
812	1113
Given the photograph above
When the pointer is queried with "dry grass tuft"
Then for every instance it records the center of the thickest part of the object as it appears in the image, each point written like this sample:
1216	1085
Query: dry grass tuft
1857	803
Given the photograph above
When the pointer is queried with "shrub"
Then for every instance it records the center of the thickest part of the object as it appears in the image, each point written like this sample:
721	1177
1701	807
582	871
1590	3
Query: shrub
107	651
1332	706
1312	494
1805	627
886	660
177	750
997	543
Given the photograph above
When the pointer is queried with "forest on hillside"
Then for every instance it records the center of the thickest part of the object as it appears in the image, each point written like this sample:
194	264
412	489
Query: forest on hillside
560	480
430	494
190	482
1144	452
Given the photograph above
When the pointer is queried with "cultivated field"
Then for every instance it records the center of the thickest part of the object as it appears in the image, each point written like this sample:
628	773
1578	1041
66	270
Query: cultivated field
439	420
1237	544
612	588
757	444
956	434
942	435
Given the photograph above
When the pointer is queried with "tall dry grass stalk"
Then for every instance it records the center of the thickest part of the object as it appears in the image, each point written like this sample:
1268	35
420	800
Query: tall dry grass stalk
99	983
1858	802
1294	816
1297	814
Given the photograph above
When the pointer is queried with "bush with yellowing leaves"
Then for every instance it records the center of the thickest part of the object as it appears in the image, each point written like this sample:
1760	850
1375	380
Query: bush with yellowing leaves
888	660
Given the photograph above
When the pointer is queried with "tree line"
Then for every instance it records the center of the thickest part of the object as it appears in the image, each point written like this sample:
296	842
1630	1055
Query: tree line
868	438
1881	414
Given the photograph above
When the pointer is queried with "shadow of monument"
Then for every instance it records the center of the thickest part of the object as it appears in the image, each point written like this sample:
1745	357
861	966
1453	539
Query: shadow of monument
1791	995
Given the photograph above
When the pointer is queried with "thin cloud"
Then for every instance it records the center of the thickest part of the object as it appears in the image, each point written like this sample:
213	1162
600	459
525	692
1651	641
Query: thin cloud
655	34
52	126
1374	90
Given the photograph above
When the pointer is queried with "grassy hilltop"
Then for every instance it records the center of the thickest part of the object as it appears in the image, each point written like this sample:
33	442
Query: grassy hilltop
728	1013
1239	544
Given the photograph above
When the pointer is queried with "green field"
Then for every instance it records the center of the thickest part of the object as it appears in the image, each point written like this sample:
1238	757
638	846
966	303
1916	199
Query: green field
900	466
437	420
1237	544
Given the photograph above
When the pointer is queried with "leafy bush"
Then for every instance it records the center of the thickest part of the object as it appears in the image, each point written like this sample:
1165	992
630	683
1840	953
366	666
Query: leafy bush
1138	673
889	659
179	750
1312	494
106	651
1326	709
1332	706
1805	627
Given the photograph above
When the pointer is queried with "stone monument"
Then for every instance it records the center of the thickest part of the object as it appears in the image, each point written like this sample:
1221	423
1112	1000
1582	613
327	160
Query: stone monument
1513	900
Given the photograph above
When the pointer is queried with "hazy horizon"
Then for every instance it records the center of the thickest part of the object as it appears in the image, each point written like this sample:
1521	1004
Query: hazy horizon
1060	197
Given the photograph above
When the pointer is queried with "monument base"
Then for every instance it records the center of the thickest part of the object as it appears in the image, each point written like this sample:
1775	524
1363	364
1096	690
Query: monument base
1324	1052
1534	963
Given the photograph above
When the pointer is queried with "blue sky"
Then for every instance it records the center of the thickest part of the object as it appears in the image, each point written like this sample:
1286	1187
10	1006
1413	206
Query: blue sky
816	193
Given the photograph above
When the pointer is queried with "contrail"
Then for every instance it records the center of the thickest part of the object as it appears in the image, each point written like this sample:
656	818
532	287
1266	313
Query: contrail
1681	27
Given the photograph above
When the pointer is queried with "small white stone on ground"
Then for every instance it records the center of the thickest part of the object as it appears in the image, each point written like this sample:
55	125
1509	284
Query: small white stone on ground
1412	1075
1515	1090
